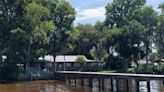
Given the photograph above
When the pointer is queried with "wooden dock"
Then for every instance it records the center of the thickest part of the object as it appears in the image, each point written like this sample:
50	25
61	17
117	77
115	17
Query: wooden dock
115	75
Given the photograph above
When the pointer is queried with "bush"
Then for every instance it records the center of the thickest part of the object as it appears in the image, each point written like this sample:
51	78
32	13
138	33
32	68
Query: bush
149	70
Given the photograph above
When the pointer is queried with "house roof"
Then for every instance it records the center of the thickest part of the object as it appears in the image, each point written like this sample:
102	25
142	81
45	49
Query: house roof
67	58
64	58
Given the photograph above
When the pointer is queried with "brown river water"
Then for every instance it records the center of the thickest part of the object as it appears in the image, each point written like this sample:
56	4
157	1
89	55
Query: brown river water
58	86
41	86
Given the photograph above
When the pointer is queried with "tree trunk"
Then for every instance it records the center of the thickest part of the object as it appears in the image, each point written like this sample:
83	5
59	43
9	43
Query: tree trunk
26	67
125	67
147	57
27	59
54	63
1	59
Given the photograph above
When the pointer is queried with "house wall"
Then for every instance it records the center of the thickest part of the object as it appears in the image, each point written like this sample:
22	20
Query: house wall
74	66
40	66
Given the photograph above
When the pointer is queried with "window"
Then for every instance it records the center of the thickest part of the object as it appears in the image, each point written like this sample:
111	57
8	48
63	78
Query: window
68	64
76	65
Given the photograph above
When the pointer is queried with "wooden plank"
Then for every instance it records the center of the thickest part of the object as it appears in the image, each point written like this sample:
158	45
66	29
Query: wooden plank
114	75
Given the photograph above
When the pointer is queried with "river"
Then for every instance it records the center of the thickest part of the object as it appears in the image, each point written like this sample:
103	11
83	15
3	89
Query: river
41	86
58	86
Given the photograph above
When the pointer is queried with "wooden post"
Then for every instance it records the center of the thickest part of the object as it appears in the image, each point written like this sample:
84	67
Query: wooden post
82	82
69	80
127	85
148	86
111	83
99	80
75	81
65	79
102	83
90	82
137	85
117	85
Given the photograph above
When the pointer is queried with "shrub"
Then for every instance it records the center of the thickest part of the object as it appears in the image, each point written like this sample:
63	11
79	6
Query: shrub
150	69
82	60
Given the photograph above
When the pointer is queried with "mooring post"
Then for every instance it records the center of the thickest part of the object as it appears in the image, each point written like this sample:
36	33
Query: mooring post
137	85
148	86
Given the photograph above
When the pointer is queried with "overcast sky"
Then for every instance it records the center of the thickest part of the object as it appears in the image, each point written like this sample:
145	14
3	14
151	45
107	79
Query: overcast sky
90	11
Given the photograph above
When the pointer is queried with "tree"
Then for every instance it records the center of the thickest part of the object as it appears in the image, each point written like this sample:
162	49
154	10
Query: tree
148	18
84	40
99	51
122	40
63	15
159	33
35	30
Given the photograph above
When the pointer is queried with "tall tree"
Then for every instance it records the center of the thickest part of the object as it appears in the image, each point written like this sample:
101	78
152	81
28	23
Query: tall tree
148	18
160	33
123	40
63	15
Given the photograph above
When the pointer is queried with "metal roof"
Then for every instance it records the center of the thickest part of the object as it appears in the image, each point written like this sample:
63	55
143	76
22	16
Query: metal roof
64	58
67	58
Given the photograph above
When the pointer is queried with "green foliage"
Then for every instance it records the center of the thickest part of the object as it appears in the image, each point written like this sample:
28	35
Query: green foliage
83	38
119	13
28	28
159	33
81	59
63	15
161	6
144	69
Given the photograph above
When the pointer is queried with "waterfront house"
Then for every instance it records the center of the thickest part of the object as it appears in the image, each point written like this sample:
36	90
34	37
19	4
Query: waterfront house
69	63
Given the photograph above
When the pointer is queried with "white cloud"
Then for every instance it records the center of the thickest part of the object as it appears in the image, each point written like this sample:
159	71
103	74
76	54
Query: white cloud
154	3
90	14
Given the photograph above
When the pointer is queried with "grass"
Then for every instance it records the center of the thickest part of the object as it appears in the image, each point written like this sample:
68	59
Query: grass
129	70
108	71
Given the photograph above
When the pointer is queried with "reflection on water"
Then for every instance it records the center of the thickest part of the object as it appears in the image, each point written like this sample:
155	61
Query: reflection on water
57	86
